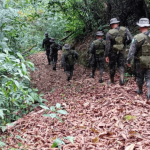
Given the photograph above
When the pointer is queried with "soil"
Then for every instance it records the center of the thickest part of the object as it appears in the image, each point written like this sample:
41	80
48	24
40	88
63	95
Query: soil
100	116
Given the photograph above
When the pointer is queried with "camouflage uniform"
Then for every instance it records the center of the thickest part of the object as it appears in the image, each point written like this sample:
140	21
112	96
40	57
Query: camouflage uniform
54	52
46	44
135	52
68	60
116	57
98	59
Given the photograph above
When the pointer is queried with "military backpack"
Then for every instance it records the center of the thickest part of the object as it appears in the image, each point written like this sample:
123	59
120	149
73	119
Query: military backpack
99	46
69	57
144	49
118	38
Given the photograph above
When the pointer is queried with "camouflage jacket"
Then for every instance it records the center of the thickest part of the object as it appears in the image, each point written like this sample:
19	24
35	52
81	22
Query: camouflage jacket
54	49
134	49
46	43
66	53
93	48
109	41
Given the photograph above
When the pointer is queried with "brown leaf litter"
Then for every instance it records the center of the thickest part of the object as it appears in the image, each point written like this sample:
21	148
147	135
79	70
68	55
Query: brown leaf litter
101	117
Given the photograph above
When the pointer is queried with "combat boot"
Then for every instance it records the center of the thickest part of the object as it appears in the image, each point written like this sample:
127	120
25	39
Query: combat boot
92	75
139	90
100	79
148	93
54	67
111	80
121	76
68	79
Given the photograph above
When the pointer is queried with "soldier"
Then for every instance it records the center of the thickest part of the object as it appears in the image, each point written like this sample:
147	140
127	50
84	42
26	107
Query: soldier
54	52
116	40
140	51
97	50
69	57
46	44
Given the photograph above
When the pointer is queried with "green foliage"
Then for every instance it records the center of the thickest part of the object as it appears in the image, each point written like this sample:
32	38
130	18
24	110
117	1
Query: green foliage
129	117
82	15
2	144
56	109
16	95
58	142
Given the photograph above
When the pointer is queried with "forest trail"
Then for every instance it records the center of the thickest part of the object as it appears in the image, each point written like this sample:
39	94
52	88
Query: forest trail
100	117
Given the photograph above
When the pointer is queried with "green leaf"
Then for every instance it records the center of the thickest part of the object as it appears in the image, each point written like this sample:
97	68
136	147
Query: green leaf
1	36
3	128
54	145
129	117
44	107
64	112
1	113
57	142
59	119
53	115
58	105
24	67
70	138
2	144
46	115
17	83
19	144
52	108
20	56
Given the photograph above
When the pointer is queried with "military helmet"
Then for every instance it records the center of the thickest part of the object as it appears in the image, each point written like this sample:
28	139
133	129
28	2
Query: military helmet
46	34
52	40
114	21
99	33
143	22
66	46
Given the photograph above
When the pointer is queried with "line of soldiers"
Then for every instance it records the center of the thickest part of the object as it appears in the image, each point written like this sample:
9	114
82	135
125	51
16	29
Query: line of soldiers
113	52
68	59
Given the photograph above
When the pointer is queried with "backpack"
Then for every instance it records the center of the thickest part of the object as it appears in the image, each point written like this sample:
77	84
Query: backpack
144	50
99	46
118	38
69	57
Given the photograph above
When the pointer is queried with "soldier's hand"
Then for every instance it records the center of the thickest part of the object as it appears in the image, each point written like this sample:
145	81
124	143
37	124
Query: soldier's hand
129	65
107	59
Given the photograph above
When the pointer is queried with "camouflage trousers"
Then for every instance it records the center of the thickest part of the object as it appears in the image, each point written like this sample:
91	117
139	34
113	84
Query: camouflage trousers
98	62
141	73
54	59
69	70
47	54
116	59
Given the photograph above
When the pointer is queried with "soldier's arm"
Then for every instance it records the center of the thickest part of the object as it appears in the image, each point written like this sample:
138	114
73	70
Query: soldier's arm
51	50
76	54
63	59
43	44
108	45
129	37
132	51
92	48
104	44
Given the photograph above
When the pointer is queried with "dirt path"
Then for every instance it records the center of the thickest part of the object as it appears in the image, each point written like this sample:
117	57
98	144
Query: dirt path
100	117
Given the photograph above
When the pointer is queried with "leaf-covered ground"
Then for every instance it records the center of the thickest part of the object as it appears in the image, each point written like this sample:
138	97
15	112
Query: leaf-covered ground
100	117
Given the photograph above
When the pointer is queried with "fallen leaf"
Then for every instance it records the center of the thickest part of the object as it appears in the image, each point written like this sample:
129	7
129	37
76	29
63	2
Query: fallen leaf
130	147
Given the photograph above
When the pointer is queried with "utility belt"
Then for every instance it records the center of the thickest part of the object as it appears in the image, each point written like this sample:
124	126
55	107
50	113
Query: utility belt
118	48
144	61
